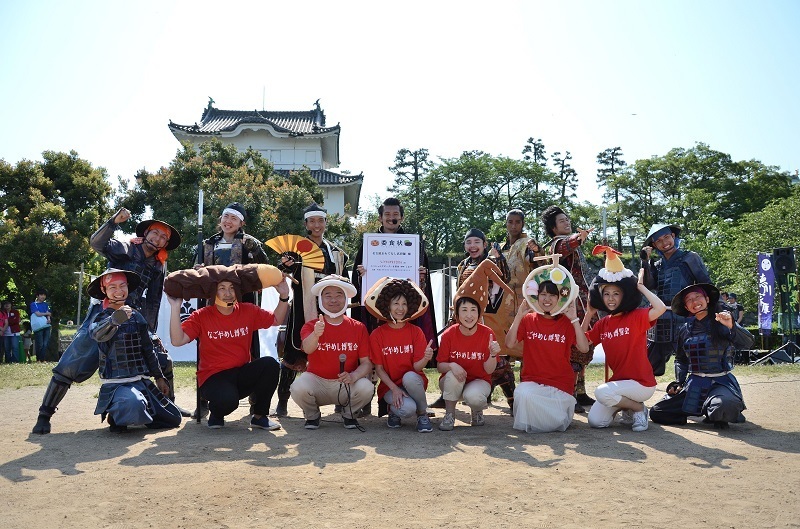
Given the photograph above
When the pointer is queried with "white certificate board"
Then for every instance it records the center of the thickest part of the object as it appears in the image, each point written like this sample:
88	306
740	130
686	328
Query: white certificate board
390	255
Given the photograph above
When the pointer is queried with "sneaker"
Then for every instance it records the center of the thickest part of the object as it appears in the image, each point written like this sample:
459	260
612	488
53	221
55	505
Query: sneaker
640	423
215	423
281	410
393	421
477	418
350	423
312	424
424	424
264	423
42	425
448	422
626	417
438	403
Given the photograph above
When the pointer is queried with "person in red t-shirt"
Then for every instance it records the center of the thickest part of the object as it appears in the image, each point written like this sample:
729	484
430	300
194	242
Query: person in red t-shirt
398	350
338	357
468	349
623	333
226	373
544	400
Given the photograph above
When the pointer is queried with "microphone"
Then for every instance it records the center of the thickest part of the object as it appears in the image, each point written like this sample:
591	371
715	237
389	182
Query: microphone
342	358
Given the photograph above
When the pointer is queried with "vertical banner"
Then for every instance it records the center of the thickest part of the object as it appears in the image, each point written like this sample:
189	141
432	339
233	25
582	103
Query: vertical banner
766	292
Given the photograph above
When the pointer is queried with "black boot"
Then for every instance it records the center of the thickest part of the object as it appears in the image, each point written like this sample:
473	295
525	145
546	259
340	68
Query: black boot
42	425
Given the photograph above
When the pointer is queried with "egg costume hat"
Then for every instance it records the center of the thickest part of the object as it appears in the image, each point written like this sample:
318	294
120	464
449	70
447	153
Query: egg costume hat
96	288
614	273
558	275
476	286
202	283
379	298
710	291
337	281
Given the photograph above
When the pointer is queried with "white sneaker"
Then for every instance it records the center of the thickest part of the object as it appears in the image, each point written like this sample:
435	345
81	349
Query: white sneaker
448	422
477	418
640	423
626	417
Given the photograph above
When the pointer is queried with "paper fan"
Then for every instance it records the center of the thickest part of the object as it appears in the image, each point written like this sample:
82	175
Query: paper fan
300	249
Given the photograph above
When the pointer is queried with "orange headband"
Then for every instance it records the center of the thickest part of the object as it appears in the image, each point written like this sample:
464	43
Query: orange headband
116	276
161	226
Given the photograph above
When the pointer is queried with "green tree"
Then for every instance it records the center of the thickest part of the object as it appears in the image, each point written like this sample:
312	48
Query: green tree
274	203
49	210
566	178
409	168
611	166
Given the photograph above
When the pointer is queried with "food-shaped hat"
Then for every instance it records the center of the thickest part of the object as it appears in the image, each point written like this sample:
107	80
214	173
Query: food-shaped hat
385	289
614	273
710	291
95	288
337	281
202	283
476	285
558	275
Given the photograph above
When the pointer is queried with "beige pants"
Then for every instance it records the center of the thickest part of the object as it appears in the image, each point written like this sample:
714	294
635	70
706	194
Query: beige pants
310	392
475	392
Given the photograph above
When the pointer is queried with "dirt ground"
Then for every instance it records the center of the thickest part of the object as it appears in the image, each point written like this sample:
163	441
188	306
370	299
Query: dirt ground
493	476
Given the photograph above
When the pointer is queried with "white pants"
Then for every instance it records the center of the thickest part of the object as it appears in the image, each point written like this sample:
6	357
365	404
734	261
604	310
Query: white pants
540	408
608	395
475	392
310	392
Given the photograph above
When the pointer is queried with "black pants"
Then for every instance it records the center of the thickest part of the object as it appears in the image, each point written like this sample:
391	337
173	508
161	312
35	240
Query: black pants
721	405
258	379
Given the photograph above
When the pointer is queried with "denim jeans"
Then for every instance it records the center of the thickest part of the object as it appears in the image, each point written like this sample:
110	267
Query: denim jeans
42	339
11	346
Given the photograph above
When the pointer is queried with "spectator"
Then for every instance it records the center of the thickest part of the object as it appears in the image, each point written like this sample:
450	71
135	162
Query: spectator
40	323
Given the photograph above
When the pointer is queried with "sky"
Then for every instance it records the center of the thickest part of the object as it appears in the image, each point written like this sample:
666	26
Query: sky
104	78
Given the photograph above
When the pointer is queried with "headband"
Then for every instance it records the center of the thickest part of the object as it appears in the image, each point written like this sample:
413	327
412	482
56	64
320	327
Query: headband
235	213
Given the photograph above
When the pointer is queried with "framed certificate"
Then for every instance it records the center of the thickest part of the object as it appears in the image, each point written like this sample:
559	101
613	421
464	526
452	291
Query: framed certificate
390	255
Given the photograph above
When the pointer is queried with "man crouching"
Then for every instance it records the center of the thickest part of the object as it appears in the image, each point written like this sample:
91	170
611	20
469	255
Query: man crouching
127	397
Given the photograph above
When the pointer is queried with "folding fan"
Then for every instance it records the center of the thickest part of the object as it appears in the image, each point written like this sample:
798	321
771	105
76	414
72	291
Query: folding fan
300	249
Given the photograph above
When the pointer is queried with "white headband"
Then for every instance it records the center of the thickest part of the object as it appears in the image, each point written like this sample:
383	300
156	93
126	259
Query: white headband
315	213
235	213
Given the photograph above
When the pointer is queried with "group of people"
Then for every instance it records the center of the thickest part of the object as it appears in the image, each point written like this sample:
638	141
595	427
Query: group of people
505	309
15	332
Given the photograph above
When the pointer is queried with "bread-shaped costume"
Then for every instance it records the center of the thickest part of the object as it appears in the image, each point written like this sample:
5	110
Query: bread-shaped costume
614	273
379	297
558	275
202	283
476	286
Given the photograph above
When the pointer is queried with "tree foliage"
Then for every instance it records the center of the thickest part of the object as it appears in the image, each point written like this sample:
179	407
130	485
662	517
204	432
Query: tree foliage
274	204
49	210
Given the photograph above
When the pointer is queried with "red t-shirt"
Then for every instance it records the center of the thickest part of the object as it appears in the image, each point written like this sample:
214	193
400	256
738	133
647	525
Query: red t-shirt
397	350
349	337
225	340
470	352
546	345
624	339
